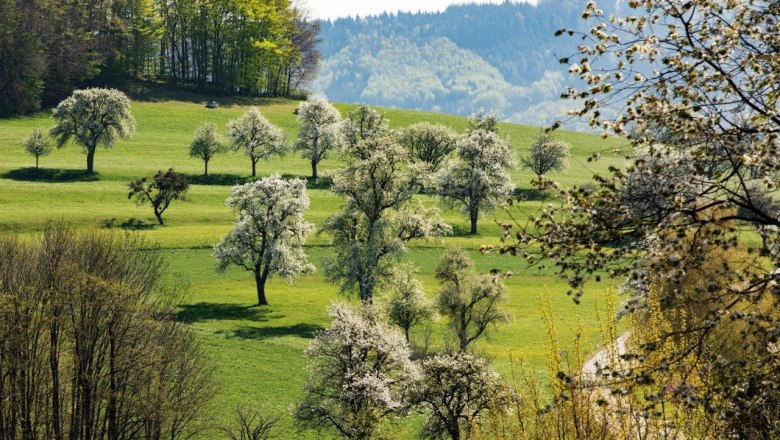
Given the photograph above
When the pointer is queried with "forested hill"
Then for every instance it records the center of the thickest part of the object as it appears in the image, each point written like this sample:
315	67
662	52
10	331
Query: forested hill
502	57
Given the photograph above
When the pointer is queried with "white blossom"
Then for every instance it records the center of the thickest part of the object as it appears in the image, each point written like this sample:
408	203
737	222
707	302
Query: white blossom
269	232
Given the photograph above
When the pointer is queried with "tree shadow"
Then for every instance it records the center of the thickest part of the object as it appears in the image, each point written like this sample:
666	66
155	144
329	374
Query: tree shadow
216	179
318	183
203	311
301	330
530	194
50	175
132	224
151	92
463	230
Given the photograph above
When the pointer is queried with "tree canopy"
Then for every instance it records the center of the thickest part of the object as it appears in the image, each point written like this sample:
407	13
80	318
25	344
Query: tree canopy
379	216
93	117
259	139
319	132
236	46
695	84
268	236
479	180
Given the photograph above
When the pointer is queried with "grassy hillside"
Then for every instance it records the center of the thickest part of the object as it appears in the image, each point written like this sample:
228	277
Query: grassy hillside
257	352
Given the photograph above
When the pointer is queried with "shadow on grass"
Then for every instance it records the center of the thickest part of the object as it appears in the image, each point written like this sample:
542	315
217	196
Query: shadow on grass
50	175
156	92
464	230
301	330
216	179
132	224
530	194
318	183
203	311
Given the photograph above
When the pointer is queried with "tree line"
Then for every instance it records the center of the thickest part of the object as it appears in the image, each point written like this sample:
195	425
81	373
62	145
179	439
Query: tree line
265	47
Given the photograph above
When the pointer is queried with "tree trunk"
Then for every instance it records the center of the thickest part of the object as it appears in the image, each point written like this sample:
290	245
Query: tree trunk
91	160
159	218
313	169
254	167
54	365
113	427
260	282
205	168
36	162
474	215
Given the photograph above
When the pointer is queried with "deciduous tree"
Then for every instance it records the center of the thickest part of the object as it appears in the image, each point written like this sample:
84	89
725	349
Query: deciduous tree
455	391
359	374
37	144
479	180
268	236
206	144
379	216
407	304
93	117
319	131
697	81
88	346
363	123
470	300
257	137
162	189
546	154
429	143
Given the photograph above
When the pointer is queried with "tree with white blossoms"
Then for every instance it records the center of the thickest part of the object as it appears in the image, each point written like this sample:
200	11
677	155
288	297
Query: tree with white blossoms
319	132
257	136
483	120
699	81
93	117
359	373
429	143
206	144
379	216
363	123
546	154
455	391
469	299
406	303
37	145
269	232
479	181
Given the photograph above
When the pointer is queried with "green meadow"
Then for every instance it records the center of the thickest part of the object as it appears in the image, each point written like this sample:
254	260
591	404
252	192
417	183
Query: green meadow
257	352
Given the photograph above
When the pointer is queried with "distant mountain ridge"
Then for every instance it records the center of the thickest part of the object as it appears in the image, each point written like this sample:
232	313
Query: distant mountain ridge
492	56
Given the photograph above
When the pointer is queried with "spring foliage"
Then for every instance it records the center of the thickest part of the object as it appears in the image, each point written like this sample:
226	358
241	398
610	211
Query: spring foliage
268	235
406	303
697	83
319	131
455	392
37	144
206	144
358	376
429	143
257	137
93	117
88	345
546	154
479	180
379	217
470	300
162	189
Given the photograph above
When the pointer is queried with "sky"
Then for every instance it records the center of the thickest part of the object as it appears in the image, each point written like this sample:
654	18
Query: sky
330	9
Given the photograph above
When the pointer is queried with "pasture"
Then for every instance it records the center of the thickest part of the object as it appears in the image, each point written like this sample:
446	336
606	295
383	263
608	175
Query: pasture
258	352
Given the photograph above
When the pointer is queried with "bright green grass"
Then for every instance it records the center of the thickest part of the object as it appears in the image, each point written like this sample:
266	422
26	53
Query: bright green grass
258	352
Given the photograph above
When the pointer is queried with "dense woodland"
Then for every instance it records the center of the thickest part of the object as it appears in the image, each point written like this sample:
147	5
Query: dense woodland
503	57
265	47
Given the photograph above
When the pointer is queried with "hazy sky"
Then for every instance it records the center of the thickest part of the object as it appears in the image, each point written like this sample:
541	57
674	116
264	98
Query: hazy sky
342	8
